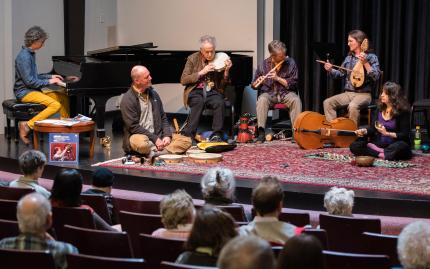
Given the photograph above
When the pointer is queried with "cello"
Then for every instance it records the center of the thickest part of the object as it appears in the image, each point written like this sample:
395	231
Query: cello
312	131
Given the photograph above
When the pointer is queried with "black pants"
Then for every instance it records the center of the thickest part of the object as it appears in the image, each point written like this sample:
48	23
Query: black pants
214	100
398	150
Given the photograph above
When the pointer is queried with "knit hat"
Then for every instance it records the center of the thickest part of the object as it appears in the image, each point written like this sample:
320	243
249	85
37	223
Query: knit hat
103	177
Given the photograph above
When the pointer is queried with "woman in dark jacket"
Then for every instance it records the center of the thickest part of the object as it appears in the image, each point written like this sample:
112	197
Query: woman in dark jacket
388	135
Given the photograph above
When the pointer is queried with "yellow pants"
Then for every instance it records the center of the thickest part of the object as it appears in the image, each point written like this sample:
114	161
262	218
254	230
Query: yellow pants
54	102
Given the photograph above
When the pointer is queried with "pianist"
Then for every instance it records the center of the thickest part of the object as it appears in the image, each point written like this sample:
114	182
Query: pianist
31	87
146	128
204	87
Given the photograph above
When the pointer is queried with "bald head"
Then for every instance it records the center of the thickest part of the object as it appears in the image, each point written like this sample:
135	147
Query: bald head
33	214
141	77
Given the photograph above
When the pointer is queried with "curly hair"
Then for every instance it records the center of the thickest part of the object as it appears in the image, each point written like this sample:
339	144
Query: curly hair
30	161
34	34
176	208
413	245
339	201
396	97
218	182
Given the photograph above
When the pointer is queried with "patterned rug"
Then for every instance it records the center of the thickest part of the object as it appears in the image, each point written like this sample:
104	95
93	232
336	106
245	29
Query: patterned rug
289	163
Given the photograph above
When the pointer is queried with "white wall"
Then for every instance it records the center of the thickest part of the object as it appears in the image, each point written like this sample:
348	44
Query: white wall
100	24
47	14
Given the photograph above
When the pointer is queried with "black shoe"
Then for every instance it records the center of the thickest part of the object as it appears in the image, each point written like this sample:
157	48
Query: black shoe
261	135
216	137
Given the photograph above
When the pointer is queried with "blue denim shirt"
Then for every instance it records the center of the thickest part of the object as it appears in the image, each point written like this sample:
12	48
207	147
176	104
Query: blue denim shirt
26	77
370	79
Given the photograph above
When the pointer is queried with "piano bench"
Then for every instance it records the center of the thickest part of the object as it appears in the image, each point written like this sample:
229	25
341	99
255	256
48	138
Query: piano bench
17	111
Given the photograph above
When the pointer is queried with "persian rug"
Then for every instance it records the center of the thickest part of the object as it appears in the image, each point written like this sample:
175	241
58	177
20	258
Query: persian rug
294	165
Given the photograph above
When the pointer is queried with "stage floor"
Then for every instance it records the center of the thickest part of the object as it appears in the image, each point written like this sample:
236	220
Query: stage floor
300	196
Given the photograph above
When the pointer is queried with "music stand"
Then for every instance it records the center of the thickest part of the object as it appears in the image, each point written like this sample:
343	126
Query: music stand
325	51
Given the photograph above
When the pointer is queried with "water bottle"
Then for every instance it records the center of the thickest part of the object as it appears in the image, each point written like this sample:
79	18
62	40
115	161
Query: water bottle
417	138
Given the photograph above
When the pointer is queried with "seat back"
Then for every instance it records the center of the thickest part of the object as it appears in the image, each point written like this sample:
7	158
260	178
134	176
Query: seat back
295	218
346	233
8	228
80	261
115	244
99	204
172	265
79	217
12	193
236	211
136	223
320	234
341	260
137	206
155	249
384	245
12	258
8	209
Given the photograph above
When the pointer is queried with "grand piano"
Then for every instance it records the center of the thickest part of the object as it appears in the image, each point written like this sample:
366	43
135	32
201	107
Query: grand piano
105	73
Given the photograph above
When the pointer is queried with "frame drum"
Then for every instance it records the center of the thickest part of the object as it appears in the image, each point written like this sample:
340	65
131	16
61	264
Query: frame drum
205	158
219	61
171	158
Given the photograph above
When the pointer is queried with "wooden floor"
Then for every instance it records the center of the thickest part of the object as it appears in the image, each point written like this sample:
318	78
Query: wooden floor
297	195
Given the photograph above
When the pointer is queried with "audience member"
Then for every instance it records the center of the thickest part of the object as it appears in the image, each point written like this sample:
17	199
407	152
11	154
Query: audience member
34	219
31	163
246	252
339	201
101	184
212	229
177	214
66	192
218	186
301	251
267	200
413	246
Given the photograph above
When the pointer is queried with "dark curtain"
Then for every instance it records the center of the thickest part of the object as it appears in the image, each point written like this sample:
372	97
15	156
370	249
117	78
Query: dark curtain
398	32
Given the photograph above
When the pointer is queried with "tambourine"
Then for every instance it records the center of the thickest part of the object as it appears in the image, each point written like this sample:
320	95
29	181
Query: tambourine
171	158
219	61
204	158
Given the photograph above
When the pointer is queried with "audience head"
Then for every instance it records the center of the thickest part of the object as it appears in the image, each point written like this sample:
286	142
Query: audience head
35	34
413	246
176	208
268	196
212	228
246	252
207	47
103	178
301	251
67	188
339	201
34	214
218	183
32	162
392	94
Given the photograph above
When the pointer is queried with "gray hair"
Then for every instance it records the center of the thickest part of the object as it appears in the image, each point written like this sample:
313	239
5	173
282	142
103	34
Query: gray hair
276	46
208	39
32	213
249	252
176	208
218	182
413	245
339	201
30	161
137	70
34	34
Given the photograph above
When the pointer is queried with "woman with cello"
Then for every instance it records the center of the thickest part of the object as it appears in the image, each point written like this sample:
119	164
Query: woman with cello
388	135
361	71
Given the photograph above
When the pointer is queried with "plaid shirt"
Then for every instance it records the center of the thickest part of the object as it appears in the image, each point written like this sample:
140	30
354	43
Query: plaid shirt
31	242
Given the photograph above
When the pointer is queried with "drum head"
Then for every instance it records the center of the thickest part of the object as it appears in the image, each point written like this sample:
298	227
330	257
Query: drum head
205	157
219	61
171	158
